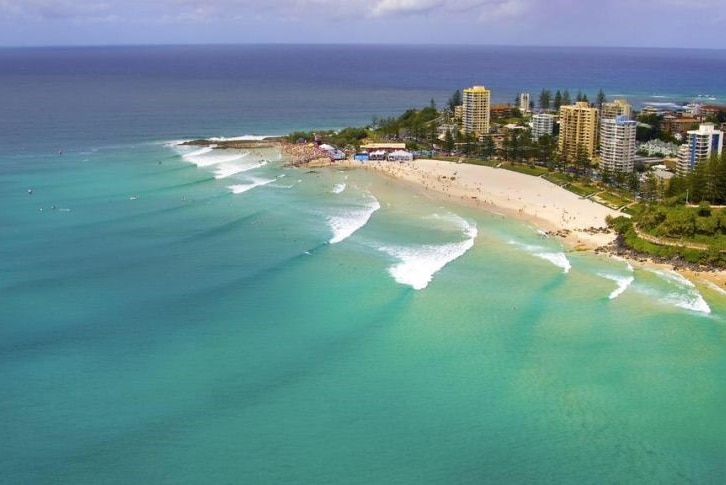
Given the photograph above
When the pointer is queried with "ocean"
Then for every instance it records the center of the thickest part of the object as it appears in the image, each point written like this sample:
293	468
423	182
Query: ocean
176	314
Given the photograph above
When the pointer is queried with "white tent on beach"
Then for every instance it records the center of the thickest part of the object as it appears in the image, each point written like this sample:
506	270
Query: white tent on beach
400	156
378	155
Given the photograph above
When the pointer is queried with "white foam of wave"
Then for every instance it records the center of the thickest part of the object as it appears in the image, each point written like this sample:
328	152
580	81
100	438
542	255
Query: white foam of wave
338	188
456	219
255	182
417	266
204	158
685	295
346	224
239	138
623	260
715	287
558	258
623	283
225	170
196	153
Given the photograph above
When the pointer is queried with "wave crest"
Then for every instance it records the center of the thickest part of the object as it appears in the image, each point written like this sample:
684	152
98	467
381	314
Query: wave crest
416	266
344	225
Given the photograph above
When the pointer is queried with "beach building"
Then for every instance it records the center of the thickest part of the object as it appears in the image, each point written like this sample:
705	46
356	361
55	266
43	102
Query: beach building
400	156
542	124
702	143
477	104
619	107
383	146
501	111
578	127
617	144
524	99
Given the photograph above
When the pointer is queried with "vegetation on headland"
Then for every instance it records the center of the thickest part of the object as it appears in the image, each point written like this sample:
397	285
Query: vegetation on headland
678	222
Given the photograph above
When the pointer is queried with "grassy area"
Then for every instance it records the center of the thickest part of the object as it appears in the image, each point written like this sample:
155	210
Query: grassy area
525	169
613	200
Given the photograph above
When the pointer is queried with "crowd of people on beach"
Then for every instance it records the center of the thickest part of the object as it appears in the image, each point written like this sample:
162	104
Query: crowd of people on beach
300	154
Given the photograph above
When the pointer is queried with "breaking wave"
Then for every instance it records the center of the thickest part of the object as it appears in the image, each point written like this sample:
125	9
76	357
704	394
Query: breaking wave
623	283
558	258
225	170
417	265
684	295
242	188
345	224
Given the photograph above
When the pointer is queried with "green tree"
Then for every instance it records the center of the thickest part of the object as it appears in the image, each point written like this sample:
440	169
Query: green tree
566	100
720	176
455	100
545	99
649	188
546	149
601	98
582	159
448	143
558	100
487	148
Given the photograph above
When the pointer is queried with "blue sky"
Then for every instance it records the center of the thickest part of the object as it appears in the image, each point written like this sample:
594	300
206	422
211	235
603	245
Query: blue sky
650	23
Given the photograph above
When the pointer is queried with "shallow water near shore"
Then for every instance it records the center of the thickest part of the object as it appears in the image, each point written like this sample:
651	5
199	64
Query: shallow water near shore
173	315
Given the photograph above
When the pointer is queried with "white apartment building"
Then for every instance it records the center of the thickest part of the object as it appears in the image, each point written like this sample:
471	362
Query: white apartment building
702	143
524	99
617	144
542	124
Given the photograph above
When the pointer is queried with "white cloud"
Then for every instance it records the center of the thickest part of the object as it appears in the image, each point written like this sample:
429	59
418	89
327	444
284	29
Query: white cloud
504	10
404	7
188	10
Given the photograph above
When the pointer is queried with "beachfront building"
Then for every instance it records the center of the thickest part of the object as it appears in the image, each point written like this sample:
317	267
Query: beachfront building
542	124
619	107
400	156
477	104
702	143
524	99
578	128
617	144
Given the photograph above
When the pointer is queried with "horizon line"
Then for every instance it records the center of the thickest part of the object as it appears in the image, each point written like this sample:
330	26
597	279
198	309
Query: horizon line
356	44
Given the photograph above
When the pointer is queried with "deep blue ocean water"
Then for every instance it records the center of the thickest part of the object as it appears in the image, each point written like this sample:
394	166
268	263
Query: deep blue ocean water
181	315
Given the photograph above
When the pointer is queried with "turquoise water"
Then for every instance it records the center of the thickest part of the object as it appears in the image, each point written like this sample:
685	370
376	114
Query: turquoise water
162	328
174	315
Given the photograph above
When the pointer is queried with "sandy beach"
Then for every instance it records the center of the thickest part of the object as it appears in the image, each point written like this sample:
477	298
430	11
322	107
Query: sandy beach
580	222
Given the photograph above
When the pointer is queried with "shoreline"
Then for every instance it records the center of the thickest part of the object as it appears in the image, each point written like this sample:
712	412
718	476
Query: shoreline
578	222
555	211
